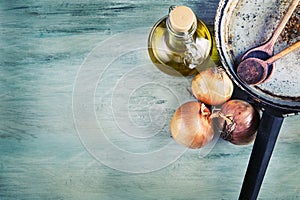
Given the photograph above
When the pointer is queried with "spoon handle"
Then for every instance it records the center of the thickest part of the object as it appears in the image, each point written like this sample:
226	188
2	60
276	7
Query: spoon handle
283	22
283	52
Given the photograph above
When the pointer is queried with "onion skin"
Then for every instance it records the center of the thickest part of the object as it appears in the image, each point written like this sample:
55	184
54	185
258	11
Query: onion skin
212	86
244	122
191	126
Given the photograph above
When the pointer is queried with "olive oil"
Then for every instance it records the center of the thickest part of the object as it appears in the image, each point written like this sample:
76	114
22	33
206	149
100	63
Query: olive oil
180	44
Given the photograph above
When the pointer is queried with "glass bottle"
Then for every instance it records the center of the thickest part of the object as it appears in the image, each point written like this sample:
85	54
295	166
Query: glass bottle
180	42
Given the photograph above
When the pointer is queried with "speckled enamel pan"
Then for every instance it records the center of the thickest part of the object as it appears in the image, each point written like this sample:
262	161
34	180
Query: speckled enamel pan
241	25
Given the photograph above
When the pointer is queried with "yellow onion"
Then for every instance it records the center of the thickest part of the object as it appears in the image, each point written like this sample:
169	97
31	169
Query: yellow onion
212	86
238	122
191	125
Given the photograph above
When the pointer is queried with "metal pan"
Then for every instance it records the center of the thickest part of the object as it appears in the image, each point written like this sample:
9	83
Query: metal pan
241	25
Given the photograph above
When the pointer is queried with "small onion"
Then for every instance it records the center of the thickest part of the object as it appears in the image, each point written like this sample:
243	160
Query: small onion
238	122
212	86
191	125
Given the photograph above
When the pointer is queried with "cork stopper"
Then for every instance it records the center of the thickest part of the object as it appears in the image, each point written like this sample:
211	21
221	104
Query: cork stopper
182	18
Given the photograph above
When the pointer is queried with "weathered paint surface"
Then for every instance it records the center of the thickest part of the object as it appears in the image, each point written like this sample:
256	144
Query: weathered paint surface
43	47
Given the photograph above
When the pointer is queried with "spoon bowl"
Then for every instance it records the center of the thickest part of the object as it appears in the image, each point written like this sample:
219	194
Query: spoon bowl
255	71
252	71
262	55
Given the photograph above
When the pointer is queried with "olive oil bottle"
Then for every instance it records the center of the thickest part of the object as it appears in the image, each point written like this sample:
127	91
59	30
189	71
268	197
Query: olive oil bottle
180	43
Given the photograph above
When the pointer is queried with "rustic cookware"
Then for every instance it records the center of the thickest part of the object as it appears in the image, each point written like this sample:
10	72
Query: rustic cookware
241	25
268	47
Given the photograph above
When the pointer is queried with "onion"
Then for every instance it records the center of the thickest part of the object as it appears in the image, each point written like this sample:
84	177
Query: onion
212	86
191	125
238	122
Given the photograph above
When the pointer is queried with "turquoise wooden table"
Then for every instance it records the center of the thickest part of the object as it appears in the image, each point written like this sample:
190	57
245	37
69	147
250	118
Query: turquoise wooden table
85	115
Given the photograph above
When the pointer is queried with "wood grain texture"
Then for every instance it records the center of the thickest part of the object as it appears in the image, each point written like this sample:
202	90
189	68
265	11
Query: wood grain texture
43	46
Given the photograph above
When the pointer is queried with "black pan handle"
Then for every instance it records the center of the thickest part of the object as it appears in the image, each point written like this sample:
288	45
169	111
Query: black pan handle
261	153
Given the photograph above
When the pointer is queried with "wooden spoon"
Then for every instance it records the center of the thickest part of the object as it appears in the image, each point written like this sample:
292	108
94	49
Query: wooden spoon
266	50
254	71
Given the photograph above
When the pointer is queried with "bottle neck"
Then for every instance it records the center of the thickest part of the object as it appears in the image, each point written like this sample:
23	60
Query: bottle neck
179	40
185	44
